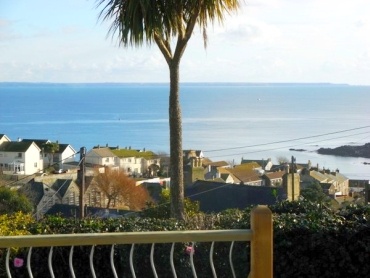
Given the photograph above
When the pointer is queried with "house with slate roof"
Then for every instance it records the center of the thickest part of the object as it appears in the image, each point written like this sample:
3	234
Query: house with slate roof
216	197
42	196
4	138
45	193
67	190
64	154
20	157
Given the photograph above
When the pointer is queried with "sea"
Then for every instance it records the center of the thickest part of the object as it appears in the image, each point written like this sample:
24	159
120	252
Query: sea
227	121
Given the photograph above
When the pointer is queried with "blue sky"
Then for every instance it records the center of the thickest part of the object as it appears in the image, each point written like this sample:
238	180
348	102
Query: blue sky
267	41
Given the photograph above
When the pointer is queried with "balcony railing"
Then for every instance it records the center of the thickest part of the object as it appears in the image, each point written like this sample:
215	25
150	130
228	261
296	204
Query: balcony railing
260	237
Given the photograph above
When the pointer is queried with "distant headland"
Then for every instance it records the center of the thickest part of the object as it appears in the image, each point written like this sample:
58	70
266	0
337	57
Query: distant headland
353	151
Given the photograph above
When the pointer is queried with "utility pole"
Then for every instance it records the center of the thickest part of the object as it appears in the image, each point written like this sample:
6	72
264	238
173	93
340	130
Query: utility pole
81	176
293	170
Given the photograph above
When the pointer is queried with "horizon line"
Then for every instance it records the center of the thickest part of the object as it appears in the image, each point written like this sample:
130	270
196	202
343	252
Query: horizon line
183	83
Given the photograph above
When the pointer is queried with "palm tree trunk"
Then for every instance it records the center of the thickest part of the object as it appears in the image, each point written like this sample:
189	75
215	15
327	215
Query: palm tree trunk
176	156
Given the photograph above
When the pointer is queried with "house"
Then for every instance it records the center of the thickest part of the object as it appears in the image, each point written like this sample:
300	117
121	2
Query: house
227	176
216	197
101	157
340	183
4	138
42	197
273	178
193	167
247	175
20	157
212	168
64	154
357	188
46	192
138	163
187	154
67	191
95	196
264	164
249	166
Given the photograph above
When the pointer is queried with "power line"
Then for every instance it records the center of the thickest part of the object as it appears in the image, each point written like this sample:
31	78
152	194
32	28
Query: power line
283	147
288	140
41	170
50	197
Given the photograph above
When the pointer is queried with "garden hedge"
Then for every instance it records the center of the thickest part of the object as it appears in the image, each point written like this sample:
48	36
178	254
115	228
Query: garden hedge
309	241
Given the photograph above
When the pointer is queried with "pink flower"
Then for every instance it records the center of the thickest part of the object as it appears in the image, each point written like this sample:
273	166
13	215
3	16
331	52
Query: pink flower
18	262
189	250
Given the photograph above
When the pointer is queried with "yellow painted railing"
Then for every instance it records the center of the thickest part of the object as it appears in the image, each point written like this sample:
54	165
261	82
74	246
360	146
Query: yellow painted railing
260	235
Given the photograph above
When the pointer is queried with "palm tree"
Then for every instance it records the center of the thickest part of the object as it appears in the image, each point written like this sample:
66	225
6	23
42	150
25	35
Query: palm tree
161	21
50	148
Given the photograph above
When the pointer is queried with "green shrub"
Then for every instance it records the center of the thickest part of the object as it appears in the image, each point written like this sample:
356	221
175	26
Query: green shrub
308	242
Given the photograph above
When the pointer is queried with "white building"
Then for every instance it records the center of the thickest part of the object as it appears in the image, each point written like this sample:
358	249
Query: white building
19	157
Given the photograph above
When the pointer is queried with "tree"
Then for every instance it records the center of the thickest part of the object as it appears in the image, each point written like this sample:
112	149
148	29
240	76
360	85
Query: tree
162	209
50	148
314	193
120	190
12	201
170	25
282	160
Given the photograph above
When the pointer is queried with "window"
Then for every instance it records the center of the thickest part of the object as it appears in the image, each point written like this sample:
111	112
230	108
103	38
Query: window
107	159
19	154
35	164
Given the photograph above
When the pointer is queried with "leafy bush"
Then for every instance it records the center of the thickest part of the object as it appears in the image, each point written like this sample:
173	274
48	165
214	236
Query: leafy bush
12	201
308	242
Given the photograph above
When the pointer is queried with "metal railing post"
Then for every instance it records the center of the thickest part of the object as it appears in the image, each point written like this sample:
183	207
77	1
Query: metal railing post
262	243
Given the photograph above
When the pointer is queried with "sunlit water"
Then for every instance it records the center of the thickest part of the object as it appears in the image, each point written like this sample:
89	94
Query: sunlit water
228	122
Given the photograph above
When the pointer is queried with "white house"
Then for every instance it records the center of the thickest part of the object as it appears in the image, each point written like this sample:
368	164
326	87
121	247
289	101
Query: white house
64	154
101	157
138	162
20	158
4	138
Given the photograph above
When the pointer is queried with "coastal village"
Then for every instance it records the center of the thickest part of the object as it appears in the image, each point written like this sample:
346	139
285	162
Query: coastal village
50	178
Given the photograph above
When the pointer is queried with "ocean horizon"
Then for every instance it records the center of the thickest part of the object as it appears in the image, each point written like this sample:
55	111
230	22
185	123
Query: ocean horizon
228	121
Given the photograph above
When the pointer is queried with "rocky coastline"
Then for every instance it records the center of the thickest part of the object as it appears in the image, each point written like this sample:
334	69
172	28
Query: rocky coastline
351	151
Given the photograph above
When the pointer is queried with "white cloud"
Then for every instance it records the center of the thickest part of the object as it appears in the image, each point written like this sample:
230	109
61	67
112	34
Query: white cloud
268	40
